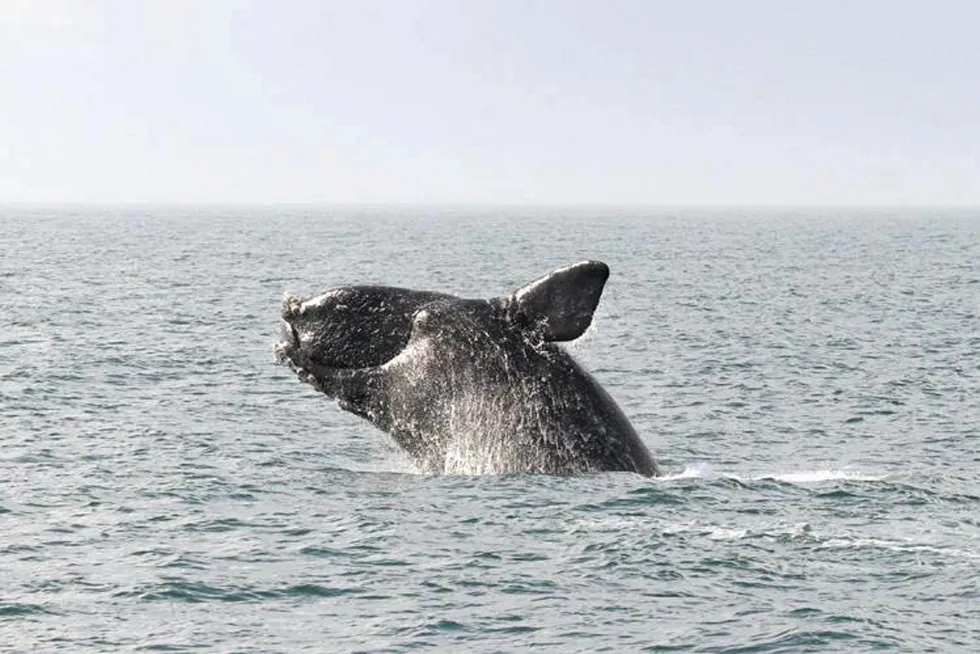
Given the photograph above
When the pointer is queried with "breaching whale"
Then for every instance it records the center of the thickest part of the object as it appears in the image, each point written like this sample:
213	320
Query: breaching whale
468	386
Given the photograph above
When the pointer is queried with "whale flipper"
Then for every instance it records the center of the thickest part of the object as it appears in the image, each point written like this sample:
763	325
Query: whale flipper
562	302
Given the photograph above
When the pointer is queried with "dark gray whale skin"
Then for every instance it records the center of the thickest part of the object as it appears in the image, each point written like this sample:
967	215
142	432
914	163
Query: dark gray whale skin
468	386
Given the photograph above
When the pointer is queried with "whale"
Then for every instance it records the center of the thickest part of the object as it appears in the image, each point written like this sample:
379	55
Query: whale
468	386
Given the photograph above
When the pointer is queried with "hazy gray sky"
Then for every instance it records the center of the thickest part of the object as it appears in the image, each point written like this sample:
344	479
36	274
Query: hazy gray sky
552	101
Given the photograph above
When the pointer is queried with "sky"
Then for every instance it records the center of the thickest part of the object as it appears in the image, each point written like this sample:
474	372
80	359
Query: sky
610	102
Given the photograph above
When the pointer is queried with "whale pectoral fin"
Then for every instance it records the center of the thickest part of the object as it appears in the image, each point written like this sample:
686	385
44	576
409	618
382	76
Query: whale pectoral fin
561	304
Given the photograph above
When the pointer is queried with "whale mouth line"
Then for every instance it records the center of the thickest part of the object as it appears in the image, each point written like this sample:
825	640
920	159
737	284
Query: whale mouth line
289	344
290	337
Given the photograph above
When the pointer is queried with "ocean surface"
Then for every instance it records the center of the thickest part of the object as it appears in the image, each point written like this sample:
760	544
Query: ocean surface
809	380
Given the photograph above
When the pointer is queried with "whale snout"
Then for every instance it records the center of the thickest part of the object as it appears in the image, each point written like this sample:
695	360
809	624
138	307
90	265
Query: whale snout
289	342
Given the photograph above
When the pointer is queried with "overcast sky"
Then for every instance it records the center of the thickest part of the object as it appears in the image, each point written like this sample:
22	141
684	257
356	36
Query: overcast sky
491	101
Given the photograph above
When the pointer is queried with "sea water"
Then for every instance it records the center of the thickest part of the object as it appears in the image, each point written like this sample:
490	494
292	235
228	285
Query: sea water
808	379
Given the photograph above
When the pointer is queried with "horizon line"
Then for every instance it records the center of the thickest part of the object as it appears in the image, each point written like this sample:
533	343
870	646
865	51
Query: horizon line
475	205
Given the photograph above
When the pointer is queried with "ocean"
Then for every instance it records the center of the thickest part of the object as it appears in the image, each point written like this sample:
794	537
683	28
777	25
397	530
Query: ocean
808	379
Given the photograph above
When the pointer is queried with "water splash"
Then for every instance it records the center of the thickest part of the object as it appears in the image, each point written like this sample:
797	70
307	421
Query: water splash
700	470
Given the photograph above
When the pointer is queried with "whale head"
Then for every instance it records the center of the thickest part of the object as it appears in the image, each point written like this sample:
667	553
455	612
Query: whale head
350	326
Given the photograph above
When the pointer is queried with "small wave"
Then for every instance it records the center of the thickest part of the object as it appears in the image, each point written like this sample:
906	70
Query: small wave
898	546
817	476
797	640
706	471
718	532
20	609
197	592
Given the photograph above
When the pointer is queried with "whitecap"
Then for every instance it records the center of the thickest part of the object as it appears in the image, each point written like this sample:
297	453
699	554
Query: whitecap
816	476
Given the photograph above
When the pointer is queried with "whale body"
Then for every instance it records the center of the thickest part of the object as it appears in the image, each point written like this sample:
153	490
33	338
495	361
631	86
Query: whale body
468	386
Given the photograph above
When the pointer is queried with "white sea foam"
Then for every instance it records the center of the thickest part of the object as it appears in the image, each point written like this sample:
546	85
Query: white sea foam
693	471
906	546
703	470
816	476
721	533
